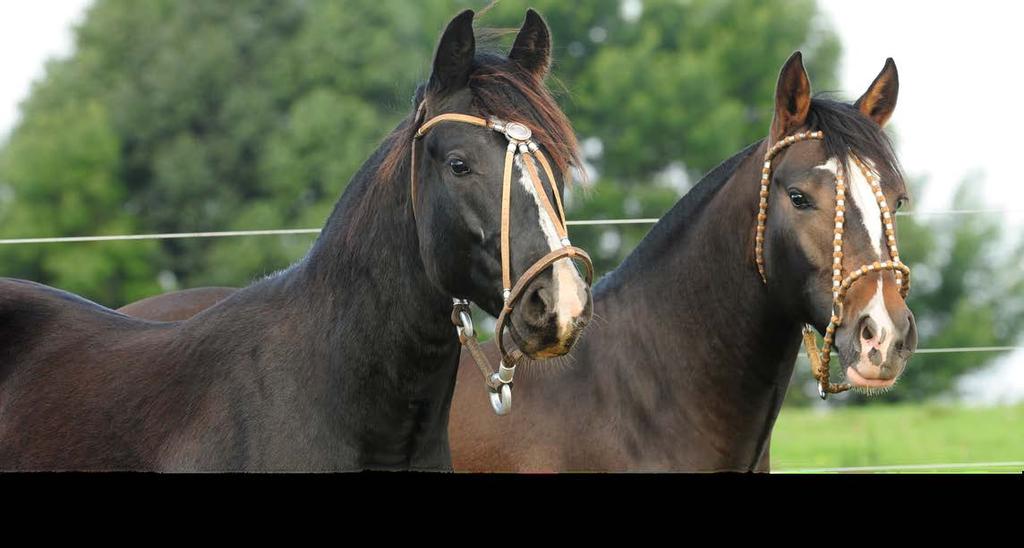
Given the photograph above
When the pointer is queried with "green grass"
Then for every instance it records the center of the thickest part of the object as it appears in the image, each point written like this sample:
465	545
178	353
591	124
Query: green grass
899	435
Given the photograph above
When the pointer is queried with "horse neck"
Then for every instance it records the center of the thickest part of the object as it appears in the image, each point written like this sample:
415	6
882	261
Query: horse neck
365	269
362	335
707	352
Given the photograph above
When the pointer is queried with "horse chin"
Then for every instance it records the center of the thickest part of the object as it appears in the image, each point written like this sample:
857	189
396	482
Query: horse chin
868	377
869	386
544	344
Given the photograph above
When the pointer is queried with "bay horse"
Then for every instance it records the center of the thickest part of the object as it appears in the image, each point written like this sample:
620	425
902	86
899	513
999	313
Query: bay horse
690	353
177	305
347	359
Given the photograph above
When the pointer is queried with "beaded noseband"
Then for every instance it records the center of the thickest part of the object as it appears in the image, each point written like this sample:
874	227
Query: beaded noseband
820	358
499	383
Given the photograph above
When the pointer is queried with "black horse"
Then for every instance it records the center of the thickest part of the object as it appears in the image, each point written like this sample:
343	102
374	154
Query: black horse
690	354
347	359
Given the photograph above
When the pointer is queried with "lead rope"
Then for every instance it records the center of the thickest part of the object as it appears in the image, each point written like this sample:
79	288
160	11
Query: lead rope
499	383
820	359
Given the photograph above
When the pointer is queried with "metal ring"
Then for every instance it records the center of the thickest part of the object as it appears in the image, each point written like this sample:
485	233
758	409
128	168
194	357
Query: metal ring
467	324
501	399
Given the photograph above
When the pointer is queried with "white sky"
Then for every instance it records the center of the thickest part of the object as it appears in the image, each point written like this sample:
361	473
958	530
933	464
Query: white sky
30	33
960	77
958	113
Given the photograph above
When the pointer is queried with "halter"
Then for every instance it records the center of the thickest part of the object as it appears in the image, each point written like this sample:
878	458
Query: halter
820	358
499	383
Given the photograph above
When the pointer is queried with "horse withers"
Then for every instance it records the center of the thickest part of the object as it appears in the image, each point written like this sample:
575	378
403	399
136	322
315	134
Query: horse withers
347	359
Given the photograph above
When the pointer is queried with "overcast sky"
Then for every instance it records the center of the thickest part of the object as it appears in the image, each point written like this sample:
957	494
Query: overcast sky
958	112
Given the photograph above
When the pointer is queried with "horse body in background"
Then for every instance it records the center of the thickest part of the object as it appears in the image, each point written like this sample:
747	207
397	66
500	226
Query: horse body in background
344	361
177	305
690	354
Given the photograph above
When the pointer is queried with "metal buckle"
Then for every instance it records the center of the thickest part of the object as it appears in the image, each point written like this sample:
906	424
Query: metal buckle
464	317
501	399
501	393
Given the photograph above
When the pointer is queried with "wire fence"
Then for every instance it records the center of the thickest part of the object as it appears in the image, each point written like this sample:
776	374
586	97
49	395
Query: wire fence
583	222
294	231
1005	467
952	350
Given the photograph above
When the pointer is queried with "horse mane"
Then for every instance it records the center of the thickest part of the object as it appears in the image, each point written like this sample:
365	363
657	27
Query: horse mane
499	88
848	131
683	215
503	89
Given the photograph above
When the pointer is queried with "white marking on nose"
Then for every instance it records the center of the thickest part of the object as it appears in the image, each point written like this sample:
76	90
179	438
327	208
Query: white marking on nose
568	285
862	197
864	200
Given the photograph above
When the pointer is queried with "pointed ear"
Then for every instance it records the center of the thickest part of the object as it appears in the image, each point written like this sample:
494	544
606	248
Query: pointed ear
879	100
454	58
532	49
792	98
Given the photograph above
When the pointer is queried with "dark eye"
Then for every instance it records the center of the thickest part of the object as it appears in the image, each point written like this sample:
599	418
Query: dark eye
799	200
458	167
901	201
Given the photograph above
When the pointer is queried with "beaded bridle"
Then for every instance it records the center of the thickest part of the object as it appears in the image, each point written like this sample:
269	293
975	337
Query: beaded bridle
499	383
820	358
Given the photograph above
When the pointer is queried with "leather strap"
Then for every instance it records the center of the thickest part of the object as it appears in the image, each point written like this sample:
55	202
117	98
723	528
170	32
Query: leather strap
518	136
568	252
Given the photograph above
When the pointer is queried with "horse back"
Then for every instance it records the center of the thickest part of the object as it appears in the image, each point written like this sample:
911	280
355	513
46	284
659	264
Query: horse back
65	362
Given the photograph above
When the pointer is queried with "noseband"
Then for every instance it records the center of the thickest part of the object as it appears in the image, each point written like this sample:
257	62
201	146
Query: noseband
499	383
820	358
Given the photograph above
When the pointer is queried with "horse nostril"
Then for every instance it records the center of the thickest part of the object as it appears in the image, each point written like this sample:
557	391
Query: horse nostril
866	332
536	300
537	307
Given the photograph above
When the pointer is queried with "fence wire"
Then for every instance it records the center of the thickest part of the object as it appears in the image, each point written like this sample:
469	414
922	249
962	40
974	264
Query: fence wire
293	231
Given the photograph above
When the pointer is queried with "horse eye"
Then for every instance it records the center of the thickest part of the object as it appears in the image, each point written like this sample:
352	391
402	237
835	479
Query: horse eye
458	167
900	202
799	200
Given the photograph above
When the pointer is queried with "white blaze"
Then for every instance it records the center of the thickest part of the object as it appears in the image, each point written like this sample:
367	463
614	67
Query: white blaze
569	302
862	197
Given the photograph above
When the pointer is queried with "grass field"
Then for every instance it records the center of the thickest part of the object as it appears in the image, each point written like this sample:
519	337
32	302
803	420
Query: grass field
899	435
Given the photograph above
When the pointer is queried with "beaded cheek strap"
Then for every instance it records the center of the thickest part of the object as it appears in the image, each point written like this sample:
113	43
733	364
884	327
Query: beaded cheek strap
840	286
520	142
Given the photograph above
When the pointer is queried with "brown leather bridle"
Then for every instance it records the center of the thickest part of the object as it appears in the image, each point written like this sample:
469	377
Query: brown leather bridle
499	383
820	358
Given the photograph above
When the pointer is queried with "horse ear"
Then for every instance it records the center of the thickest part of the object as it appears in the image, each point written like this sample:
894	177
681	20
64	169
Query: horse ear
454	58
792	98
532	49
879	100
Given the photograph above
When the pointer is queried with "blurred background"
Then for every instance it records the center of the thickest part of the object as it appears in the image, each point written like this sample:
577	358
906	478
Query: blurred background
126	117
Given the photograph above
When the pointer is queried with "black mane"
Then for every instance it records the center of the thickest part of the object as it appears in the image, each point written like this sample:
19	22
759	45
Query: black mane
848	131
673	226
503	89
